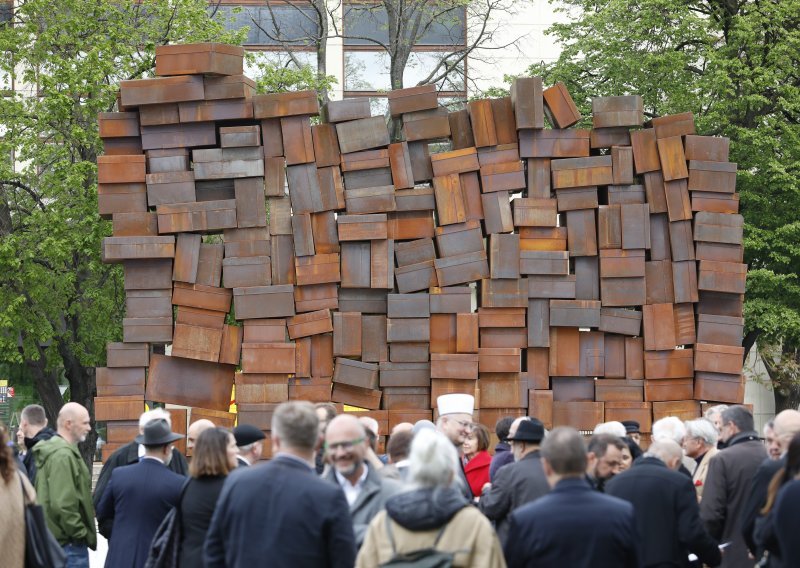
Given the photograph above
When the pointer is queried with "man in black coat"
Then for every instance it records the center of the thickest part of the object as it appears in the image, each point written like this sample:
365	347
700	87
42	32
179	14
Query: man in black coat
139	496
666	510
130	454
281	514
33	423
572	525
520	482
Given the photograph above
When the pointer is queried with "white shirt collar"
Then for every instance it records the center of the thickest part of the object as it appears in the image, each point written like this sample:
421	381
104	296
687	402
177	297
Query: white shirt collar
159	460
352	491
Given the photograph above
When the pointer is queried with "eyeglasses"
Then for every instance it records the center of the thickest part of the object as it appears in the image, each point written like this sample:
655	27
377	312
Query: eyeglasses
465	424
346	445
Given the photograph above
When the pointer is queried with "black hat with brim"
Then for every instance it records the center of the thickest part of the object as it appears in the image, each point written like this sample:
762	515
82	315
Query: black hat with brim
157	433
531	430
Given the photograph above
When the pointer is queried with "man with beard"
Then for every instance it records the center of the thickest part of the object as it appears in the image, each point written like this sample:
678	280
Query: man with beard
604	459
365	490
455	422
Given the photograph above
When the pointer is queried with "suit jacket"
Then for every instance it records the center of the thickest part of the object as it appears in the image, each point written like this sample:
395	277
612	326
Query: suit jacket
728	485
370	501
701	472
280	512
502	456
667	514
514	485
573	526
137	499
751	514
786	507
128	455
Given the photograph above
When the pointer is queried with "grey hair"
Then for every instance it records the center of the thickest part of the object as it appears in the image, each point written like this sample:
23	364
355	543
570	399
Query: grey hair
155	414
614	428
702	429
669	428
716	409
664	450
565	451
740	416
35	415
433	460
296	424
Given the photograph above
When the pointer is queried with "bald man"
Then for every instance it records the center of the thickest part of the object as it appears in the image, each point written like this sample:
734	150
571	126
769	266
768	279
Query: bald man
346	448
195	429
130	454
665	508
64	485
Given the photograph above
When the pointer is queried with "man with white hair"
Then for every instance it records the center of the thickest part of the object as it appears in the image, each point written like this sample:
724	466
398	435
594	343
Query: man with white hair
129	454
672	428
665	508
714	415
614	428
455	422
700	444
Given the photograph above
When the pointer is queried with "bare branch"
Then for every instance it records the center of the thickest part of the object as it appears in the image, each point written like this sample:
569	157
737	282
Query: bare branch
27	189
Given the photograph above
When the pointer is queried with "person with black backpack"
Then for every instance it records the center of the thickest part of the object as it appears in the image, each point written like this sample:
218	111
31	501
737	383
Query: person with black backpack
432	525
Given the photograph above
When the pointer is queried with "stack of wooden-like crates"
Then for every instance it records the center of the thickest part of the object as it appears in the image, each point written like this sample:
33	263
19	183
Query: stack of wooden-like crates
578	275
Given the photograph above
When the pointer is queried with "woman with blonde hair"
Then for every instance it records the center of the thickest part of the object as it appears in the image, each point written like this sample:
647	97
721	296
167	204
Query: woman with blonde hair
433	514
12	505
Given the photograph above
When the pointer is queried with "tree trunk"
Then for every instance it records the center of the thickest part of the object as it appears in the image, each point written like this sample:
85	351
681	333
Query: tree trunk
787	399
82	388
47	388
322	52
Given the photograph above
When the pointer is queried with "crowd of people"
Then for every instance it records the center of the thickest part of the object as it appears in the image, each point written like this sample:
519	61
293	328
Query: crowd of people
709	491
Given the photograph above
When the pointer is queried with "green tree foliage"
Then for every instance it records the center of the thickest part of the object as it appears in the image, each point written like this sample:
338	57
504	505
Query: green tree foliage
59	304
735	66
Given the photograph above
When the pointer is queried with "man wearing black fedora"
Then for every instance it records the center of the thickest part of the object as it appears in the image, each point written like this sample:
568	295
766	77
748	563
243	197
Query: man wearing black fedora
520	482
139	496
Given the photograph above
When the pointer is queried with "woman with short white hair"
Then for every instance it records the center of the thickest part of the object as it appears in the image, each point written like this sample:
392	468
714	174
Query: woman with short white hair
700	444
433	513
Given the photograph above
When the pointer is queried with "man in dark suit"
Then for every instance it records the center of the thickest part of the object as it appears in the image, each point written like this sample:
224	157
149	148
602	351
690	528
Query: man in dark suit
728	484
249	443
520	482
666	510
130	454
573	525
281	513
139	496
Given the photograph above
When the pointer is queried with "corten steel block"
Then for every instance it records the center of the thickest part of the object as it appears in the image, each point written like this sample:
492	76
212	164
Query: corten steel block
538	328
683	409
564	352
659	327
503	390
721	304
583	416
719	330
504	293
122	146
501	317
122	381
685	331
497	212
228	87
641	412
533	212
203	111
317	269
374	348
298	144
347	334
416	277
110	408
587	280
187	258
619	390
635	220
543	238
316	297
159	115
574	313
178	135
679	206
500	154
626	194
279	105
412	252
224	163
251	208
429	125
592	354
504	256
451	300
230	350
538	367
467	334
199	58
153	274
622	165
246	272
459	238
381	269
325	145
645	151
499	360
616	263
303	234
498	337
609	137
356	264
718	358
189	382
559	106
622	321
311	323
706	148
482	119
461	268
161	90
673	159
169	160
552	286
504	176
660	245
538	180
461	130
214	190
400	163
573	389
609	227
408	305
258	302
526	97
268	358
363	134
362	227
544	262
264	331
118	124
196	342
127	355
582	233
370	200
116	198
577	198
582	172
504	120
674	125
455	162
715	202
720	387
540	405
674	364
718	228
728	277
356	373
655	189
409	352
417	199
118	249
121	169
407	330
662	390
659	283
573	143
684	278
454	366
197	217
681	241
148	303
614	356
609	112
239	136
272	137
347	109
634	358
170	187
413	99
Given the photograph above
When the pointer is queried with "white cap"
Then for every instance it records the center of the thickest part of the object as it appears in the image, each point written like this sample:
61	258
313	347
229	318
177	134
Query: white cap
455	404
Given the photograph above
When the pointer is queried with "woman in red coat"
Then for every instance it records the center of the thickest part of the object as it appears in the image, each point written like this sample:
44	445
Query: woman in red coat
476	459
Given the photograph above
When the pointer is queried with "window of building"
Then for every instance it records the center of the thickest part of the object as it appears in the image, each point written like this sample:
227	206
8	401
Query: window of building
297	23
6	11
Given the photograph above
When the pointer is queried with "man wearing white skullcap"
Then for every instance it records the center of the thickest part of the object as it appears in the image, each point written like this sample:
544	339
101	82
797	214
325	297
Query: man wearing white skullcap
455	422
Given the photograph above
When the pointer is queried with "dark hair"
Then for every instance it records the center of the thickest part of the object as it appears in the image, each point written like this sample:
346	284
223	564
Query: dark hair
8	463
740	416
564	450
210	457
503	427
598	444
35	414
785	474
330	409
636	451
481	435
399	445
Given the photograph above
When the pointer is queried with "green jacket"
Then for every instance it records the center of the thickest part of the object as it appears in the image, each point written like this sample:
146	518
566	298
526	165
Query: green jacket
64	490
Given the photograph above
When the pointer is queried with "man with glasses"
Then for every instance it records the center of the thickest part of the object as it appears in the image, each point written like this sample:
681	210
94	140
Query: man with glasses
365	490
455	422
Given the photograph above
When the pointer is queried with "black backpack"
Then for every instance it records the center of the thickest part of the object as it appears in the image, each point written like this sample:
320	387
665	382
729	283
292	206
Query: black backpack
422	558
